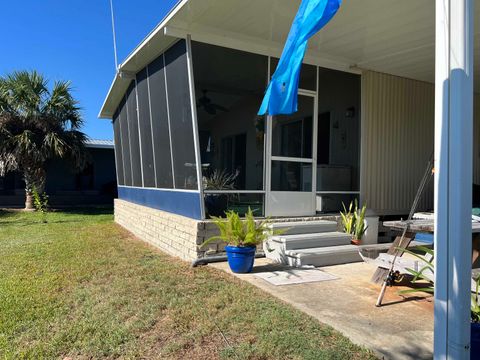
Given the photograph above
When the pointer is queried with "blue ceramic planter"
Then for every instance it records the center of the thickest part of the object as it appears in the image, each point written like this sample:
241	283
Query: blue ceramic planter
475	341
240	259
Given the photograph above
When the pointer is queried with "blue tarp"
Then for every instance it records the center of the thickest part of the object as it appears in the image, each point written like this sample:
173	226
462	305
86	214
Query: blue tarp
281	94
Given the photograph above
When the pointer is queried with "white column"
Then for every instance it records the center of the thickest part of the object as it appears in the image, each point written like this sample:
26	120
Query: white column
196	136
453	177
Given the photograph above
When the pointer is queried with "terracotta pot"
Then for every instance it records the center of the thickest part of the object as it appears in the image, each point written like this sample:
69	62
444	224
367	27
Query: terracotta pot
356	242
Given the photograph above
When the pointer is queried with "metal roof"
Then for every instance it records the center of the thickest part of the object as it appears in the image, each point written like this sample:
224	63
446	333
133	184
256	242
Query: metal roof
389	36
99	144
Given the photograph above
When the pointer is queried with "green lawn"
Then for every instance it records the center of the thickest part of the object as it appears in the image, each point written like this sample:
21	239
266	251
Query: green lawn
81	287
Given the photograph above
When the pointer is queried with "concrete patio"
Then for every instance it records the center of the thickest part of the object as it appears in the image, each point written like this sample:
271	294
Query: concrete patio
401	329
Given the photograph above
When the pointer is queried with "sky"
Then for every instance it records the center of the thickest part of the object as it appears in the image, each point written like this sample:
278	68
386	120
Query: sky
72	40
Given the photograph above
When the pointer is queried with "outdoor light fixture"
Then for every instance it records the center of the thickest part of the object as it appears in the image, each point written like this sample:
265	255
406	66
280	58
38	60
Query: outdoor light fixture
350	112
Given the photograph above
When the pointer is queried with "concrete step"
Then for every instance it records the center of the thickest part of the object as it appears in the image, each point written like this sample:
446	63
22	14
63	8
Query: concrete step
305	227
323	256
315	240
276	246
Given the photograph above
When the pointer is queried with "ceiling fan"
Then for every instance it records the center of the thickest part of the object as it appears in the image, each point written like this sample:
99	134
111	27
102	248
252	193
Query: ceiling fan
206	103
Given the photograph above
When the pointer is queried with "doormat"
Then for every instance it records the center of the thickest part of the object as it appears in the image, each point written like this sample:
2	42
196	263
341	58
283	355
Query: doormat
295	276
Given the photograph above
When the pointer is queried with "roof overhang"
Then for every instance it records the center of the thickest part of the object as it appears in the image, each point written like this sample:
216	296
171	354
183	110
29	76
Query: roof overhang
99	144
153	45
390	36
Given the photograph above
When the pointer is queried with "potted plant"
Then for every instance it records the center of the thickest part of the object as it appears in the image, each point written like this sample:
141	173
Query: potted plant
242	238
353	221
216	204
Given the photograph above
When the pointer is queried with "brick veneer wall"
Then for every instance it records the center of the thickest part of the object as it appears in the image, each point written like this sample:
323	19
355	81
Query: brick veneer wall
175	234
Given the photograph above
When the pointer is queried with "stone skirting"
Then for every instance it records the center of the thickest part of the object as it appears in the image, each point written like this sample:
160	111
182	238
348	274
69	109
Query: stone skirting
175	234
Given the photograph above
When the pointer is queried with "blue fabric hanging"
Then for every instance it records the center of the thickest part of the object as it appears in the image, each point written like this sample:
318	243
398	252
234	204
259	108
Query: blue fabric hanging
281	94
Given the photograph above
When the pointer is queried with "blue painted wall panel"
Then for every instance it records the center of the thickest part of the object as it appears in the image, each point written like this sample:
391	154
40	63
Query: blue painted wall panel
177	202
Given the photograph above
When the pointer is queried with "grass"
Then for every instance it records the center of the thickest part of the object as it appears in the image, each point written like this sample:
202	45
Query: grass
82	287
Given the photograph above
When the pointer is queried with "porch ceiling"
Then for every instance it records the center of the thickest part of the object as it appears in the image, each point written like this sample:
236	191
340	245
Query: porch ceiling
390	36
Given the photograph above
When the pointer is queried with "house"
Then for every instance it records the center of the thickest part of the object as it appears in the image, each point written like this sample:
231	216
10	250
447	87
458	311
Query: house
189	143
94	185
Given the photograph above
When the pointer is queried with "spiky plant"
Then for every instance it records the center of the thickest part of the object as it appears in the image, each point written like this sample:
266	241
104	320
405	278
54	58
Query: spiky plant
37	124
353	220
220	180
348	219
475	306
237	232
360	226
425	274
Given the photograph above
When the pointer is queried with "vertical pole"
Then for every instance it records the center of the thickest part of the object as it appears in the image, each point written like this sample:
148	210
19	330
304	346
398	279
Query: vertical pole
453	177
137	110
196	137
268	163
114	36
315	143
266	150
172	159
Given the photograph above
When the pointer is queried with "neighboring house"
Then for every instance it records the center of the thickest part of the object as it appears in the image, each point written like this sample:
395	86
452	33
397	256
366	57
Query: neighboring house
184	103
94	185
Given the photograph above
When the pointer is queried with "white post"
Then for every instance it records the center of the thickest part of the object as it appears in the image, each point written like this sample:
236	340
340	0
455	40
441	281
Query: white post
453	177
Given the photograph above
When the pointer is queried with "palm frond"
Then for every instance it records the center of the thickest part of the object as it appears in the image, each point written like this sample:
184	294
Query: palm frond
38	124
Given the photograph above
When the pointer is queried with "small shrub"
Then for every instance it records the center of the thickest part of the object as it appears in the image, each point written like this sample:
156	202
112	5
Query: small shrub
40	202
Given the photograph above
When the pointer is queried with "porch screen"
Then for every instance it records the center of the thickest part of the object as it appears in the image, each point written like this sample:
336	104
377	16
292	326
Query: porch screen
229	86
181	128
133	136
118	149
160	128
125	139
144	123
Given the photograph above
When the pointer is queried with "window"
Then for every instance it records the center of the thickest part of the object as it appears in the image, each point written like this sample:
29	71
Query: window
338	150
85	179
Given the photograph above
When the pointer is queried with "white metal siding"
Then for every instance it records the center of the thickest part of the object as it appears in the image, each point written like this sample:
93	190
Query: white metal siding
397	141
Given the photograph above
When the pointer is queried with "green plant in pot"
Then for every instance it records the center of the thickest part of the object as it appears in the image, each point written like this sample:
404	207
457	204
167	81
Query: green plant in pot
353	221
216	204
242	238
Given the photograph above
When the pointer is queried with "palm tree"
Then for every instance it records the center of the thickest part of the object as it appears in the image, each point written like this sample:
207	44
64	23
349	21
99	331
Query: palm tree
36	125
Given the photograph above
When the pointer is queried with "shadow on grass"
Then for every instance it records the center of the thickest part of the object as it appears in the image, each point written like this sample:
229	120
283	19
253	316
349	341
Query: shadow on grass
93	210
18	217
6	213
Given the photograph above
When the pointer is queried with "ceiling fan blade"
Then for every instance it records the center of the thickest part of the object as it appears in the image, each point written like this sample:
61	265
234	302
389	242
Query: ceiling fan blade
219	107
210	109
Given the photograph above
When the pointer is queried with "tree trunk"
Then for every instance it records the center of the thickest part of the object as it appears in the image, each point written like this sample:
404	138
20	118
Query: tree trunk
34	180
28	200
